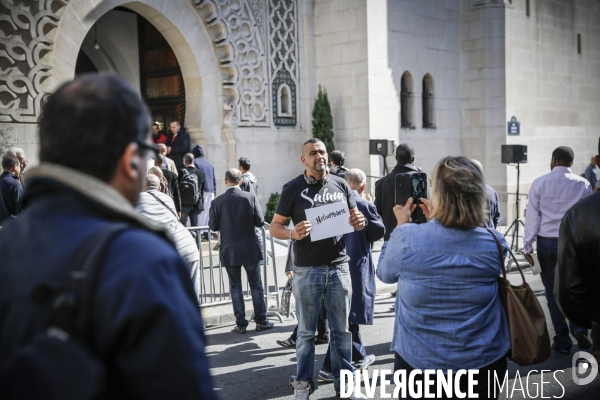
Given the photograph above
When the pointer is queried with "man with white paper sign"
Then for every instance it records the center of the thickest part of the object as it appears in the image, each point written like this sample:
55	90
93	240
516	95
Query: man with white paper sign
321	266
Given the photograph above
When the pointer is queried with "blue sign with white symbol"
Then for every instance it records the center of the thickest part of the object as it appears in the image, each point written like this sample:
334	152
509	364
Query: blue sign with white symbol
514	127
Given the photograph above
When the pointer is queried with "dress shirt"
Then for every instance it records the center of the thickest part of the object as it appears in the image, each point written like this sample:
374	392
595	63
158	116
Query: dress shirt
550	197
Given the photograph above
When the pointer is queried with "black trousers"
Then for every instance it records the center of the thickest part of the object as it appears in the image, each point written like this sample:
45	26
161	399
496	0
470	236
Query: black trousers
499	367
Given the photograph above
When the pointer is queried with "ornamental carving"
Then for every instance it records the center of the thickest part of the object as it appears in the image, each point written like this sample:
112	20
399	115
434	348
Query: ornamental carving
239	45
283	60
23	47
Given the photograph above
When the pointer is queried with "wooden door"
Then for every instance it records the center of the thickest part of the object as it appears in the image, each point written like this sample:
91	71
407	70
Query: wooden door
160	77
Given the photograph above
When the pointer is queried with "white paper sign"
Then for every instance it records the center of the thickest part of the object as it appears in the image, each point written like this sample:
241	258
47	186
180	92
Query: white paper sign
329	220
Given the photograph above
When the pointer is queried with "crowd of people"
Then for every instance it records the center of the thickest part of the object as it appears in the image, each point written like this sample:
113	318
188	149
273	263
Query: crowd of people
143	333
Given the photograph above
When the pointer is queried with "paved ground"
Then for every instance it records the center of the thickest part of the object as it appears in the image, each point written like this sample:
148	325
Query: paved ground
253	366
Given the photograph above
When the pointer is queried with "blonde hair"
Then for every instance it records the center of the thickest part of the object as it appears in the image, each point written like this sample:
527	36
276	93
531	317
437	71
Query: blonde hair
458	193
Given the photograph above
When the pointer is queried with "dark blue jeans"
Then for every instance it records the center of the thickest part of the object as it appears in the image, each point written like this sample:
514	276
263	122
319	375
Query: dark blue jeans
358	350
256	291
547	251
192	212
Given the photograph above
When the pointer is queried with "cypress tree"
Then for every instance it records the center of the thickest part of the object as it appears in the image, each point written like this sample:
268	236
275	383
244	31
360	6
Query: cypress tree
322	121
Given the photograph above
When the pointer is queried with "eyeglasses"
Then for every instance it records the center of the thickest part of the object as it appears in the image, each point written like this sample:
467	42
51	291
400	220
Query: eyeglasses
147	146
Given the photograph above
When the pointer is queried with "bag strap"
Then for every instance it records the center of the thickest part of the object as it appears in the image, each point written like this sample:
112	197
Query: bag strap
163	203
71	307
501	256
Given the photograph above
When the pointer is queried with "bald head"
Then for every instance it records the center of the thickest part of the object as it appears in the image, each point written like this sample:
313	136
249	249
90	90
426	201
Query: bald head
233	177
151	182
156	171
357	180
162	148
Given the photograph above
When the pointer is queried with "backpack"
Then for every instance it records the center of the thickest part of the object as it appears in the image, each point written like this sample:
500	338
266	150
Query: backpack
189	189
57	364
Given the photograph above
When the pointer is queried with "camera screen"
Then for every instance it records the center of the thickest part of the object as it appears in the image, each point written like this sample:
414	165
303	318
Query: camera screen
419	188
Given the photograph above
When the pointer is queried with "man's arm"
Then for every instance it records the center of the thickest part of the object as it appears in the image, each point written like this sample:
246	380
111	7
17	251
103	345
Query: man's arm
213	218
378	201
495	211
375	228
18	198
259	219
214	181
299	232
569	289
532	220
176	195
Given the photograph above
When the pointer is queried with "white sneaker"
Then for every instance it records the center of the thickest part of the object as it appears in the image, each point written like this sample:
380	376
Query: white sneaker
302	394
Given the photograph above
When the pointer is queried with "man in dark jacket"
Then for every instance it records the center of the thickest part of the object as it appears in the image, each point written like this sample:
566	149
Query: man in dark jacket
337	159
187	209
385	192
172	180
362	272
178	144
146	333
235	214
578	266
210	183
11	191
249	182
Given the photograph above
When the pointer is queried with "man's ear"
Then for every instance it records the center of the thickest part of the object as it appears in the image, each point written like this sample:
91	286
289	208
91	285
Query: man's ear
363	187
130	163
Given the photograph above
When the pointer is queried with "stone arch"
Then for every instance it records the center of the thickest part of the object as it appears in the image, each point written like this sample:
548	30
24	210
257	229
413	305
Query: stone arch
179	23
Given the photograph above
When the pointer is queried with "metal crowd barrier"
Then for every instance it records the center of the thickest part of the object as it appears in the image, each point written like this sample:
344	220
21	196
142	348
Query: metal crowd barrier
213	290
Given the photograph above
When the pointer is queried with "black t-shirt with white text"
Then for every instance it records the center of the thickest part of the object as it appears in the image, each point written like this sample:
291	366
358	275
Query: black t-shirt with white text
296	197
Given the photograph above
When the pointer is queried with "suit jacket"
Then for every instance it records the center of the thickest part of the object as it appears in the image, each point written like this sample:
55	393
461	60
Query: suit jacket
385	199
362	270
11	194
179	147
171	166
235	214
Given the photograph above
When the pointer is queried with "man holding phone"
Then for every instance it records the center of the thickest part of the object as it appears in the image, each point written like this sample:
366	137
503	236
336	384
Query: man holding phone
385	191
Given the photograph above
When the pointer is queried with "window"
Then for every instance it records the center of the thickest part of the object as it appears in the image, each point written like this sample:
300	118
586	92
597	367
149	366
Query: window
284	101
428	110
406	101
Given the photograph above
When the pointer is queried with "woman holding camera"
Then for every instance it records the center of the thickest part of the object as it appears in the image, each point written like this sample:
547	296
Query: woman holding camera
448	310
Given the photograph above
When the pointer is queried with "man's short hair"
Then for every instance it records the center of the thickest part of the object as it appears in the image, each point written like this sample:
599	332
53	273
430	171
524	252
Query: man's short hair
157	125
564	154
88	123
312	140
156	171
244	163
337	157
233	175
405	153
151	180
8	162
175	122
188	159
355	178
162	148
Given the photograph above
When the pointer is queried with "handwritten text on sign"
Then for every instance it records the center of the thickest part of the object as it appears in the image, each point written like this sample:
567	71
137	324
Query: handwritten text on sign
329	220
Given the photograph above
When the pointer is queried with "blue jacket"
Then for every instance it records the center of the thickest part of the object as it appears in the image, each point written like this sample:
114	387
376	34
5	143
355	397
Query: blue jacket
11	193
362	270
146	326
210	185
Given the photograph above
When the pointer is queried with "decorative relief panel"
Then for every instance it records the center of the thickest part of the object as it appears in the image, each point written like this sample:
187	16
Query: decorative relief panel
283	60
24	25
238	41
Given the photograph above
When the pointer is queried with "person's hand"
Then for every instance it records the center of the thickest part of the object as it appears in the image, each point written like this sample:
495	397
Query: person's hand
426	207
367	197
179	214
529	259
357	219
289	274
301	230
402	212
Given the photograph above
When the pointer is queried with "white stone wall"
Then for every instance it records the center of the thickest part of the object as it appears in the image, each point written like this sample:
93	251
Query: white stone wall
422	37
483	95
552	90
341	61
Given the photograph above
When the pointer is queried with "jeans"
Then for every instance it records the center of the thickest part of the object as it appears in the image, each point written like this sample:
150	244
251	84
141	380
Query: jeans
481	388
311	285
547	252
256	290
358	350
190	211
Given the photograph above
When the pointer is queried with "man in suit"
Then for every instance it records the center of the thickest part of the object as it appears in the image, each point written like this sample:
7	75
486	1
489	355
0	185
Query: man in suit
235	214
385	192
362	272
167	162
178	144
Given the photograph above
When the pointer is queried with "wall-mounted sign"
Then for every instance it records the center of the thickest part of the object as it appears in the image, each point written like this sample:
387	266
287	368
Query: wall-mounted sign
514	126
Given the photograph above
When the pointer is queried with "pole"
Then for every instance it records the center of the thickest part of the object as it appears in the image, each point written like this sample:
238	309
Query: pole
518	202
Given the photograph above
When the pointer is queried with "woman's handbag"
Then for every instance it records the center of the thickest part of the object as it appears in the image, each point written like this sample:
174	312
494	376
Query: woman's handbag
529	337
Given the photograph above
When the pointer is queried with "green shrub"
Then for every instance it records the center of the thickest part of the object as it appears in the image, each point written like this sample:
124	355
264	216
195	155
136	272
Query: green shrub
322	121
272	206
